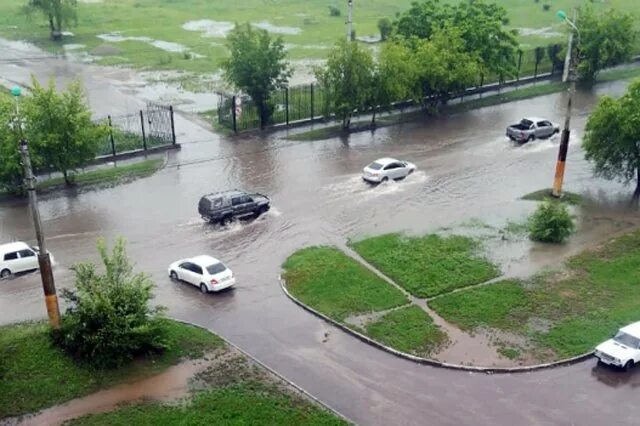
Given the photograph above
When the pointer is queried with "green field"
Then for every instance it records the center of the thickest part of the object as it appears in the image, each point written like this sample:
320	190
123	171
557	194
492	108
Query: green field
315	30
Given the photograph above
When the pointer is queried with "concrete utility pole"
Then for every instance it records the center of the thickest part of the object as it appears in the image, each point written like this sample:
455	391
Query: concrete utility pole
567	75
44	260
350	20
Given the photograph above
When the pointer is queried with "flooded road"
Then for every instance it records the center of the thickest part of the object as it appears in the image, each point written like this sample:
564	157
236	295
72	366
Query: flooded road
466	169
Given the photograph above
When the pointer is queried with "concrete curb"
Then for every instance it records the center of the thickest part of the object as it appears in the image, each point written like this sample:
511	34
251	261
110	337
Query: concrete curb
432	362
272	371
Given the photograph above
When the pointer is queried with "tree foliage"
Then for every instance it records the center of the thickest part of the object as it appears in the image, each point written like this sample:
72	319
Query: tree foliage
59	13
60	129
606	39
256	66
109	320
551	223
10	165
481	27
612	138
347	79
385	27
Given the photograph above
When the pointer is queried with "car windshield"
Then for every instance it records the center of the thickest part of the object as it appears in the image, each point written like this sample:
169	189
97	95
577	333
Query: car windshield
627	340
375	166
216	268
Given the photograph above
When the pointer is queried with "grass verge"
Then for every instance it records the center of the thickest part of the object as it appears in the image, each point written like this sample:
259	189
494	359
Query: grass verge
561	315
545	195
36	374
430	265
336	285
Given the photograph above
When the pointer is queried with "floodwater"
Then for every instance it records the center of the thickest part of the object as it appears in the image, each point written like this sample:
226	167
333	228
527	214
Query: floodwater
467	169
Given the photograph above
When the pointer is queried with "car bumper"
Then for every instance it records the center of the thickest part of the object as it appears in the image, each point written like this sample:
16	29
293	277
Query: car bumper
372	179
226	284
606	359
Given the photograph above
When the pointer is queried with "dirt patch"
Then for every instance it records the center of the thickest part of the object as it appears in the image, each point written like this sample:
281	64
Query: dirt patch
106	50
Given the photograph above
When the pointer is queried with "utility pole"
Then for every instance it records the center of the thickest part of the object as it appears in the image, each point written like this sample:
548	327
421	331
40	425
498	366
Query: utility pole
44	260
350	20
567	75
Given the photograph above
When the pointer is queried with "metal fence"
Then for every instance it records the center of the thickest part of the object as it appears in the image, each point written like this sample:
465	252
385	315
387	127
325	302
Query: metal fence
149	128
301	104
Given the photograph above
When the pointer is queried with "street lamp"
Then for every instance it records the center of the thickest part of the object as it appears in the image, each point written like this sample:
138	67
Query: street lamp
566	132
44	260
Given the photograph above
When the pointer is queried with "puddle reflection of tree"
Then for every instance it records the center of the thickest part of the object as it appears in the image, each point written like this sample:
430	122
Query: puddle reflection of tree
616	378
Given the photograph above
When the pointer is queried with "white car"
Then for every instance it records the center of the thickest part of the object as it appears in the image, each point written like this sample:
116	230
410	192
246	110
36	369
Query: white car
205	272
18	257
384	169
623	350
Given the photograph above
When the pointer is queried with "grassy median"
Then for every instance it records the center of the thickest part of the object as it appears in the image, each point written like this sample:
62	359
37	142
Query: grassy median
560	315
430	265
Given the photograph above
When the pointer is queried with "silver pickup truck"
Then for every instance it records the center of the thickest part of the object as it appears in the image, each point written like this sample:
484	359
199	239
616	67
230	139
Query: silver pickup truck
531	128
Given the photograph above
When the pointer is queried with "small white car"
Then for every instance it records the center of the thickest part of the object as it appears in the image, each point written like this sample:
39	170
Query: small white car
385	169
18	257
205	272
623	350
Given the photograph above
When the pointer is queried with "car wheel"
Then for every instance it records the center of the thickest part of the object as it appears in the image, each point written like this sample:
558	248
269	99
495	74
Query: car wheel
385	179
173	276
531	138
203	288
628	366
225	220
5	273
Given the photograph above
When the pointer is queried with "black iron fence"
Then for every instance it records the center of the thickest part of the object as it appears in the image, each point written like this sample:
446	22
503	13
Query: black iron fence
306	103
148	128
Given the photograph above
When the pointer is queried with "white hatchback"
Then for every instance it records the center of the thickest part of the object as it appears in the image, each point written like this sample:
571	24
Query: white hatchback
18	257
385	169
205	272
623	350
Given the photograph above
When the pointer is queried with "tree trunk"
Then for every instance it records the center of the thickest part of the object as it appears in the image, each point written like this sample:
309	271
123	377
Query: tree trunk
52	27
636	193
65	173
373	119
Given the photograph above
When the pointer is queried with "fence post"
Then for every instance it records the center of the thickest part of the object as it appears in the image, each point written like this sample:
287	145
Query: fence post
113	145
173	125
519	65
144	136
286	102
233	114
312	104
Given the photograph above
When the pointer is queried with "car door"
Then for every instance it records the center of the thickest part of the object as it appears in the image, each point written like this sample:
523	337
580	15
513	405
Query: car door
237	204
397	171
249	204
196	274
28	260
390	170
185	272
542	129
12	262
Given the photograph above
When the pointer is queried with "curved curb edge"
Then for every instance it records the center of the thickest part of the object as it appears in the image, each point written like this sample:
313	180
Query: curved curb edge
272	371
432	362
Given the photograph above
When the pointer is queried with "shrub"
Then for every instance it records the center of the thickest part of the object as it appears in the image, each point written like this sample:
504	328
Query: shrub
546	7
334	11
109	320
385	27
551	223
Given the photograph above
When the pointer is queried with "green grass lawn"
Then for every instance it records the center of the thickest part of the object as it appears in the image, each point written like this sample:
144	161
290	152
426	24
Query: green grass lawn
430	265
36	374
336	285
545	195
409	330
567	315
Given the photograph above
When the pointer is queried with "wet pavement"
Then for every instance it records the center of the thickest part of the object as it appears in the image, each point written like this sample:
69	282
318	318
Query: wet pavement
466	170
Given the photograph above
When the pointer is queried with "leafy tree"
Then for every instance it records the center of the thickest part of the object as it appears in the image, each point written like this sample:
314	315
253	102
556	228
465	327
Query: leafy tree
10	166
347	79
551	223
60	129
553	53
606	39
612	139
538	56
256	66
385	27
109	320
60	13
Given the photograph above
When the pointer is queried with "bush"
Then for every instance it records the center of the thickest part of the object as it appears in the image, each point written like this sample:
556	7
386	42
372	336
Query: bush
109	320
385	27
546	7
551	223
334	11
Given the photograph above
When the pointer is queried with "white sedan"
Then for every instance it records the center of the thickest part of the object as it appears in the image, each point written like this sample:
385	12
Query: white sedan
205	272
387	168
623	350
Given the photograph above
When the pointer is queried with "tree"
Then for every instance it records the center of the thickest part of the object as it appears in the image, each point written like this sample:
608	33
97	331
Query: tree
606	40
347	79
60	129
385	27
60	13
109	320
551	223
553	53
256	66
10	166
612	138
538	56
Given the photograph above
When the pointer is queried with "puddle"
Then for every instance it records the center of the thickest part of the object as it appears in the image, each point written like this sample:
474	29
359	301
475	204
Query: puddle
264	25
209	28
169	46
72	46
369	39
117	38
546	32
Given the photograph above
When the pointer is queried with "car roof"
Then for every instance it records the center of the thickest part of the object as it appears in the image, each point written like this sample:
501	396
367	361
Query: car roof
536	119
15	246
204	260
386	160
227	193
632	329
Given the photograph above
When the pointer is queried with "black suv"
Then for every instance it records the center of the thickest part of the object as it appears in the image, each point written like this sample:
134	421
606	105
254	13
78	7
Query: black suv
224	206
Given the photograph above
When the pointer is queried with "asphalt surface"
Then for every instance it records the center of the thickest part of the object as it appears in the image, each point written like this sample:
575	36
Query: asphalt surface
466	169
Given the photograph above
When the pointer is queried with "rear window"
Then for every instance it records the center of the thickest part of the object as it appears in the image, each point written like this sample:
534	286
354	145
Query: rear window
375	166
216	268
526	122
